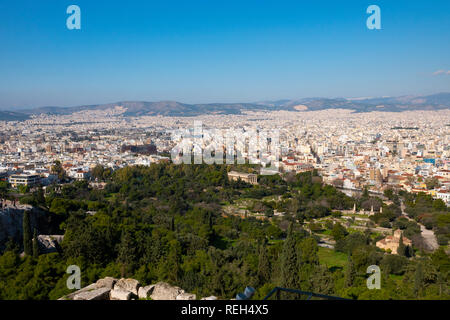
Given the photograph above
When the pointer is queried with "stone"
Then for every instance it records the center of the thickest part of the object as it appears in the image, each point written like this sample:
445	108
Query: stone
164	291
145	292
70	296
186	296
49	243
107	282
96	294
210	298
119	294
131	285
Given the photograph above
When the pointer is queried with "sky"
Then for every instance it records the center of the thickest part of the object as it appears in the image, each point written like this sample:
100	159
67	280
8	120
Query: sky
202	51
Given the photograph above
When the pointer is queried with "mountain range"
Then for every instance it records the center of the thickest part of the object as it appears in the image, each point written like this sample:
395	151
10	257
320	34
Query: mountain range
172	108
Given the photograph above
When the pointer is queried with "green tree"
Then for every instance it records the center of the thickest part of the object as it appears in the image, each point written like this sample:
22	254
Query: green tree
401	250
27	239
338	232
58	170
432	183
35	245
126	254
263	266
173	263
350	273
97	172
418	280
289	262
3	190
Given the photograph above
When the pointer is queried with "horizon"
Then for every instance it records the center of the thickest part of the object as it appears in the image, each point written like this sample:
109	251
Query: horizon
18	109
214	52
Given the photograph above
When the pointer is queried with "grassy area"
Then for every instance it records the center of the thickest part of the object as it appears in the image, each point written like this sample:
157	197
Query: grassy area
331	258
396	277
270	198
325	232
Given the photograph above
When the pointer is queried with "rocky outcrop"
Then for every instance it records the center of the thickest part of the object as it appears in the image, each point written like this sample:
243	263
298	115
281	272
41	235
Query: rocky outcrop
128	289
11	222
11	218
49	243
96	294
145	292
164	291
186	296
130	285
119	294
107	282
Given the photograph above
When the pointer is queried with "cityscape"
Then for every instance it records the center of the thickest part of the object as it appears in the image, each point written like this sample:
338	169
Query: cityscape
407	151
225	152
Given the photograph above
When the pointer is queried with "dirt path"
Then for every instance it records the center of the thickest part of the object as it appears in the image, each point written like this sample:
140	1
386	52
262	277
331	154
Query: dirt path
429	238
428	235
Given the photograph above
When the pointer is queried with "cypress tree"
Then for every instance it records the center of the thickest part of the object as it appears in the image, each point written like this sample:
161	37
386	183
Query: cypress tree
289	263
27	242
401	250
35	245
263	266
418	280
172	224
350	273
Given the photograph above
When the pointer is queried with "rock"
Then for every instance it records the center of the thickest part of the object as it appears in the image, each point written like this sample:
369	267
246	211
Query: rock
164	291
127	285
110	288
210	298
145	292
96	294
107	282
186	296
70	296
119	294
49	243
11	219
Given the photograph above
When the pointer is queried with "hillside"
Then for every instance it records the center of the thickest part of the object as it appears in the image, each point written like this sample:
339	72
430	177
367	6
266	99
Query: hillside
173	108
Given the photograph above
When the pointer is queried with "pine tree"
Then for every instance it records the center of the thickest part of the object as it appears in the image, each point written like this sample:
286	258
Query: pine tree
350	273
263	266
27	242
127	253
173	261
35	245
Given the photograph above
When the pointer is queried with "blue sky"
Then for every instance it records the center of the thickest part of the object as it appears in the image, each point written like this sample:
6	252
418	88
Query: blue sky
227	51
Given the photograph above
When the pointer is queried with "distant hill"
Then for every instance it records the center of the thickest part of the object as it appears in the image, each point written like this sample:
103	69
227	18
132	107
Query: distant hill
392	104
164	108
172	108
12	116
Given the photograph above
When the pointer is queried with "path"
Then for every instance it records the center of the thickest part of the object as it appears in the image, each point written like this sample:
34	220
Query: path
428	235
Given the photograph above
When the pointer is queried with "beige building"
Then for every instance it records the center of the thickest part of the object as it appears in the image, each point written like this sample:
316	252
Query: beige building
24	180
392	242
247	177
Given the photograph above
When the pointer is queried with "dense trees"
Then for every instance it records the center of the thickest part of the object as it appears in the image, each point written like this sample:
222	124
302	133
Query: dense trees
165	223
3	190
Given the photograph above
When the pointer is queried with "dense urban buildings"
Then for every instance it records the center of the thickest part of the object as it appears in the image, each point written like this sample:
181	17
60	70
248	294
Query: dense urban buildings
403	150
